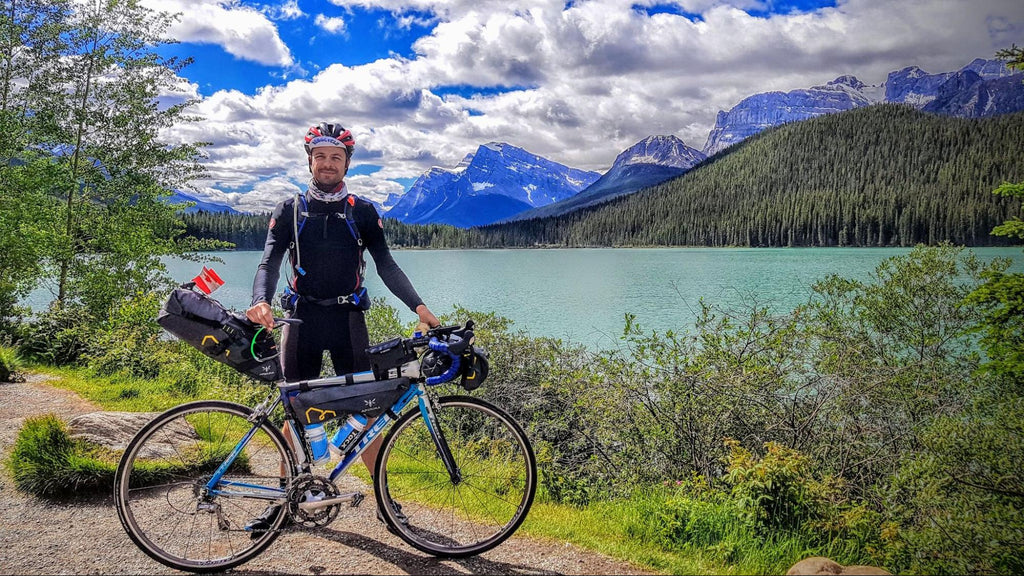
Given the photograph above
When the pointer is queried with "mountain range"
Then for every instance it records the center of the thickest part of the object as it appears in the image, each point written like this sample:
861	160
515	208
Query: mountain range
501	182
496	182
982	88
885	175
179	197
646	163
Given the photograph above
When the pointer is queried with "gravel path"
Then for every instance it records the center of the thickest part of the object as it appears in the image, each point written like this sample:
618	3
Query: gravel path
84	536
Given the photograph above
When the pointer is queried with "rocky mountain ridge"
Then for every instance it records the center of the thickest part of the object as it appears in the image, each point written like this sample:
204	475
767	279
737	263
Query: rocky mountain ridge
494	183
981	88
646	163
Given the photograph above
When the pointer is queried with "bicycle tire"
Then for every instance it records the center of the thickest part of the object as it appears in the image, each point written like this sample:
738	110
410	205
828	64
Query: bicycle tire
163	469
447	518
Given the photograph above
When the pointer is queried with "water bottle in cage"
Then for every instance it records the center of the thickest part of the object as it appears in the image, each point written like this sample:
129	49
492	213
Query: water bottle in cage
348	433
317	437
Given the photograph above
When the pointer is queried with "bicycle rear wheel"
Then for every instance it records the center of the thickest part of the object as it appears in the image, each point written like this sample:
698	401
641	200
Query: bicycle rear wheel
473	513
159	486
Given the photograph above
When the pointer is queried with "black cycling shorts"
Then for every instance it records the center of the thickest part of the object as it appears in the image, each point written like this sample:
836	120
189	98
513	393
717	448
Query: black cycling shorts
336	329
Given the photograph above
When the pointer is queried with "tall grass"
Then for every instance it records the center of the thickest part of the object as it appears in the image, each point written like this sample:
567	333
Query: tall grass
46	461
10	363
682	534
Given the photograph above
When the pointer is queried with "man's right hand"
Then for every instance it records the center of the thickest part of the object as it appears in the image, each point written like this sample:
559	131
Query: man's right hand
262	314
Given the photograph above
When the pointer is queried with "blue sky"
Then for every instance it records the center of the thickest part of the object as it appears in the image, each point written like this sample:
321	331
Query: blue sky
313	48
425	82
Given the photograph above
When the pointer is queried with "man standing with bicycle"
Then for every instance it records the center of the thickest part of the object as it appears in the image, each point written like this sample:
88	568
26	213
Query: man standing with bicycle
325	232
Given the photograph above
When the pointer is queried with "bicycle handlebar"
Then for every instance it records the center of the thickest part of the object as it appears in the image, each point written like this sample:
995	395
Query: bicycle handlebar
452	341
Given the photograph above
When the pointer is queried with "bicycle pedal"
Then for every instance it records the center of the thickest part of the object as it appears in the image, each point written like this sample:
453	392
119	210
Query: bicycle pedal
357	500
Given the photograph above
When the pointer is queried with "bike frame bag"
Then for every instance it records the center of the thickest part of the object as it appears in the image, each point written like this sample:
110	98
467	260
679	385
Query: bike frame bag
370	399
206	325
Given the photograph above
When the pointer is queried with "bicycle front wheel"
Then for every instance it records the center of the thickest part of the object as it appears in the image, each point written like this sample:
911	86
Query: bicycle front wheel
469	512
161	494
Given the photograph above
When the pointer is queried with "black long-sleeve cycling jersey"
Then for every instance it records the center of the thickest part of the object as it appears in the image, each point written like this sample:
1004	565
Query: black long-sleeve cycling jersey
329	252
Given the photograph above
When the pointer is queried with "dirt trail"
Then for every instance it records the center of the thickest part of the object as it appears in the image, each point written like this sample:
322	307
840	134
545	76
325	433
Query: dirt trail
84	536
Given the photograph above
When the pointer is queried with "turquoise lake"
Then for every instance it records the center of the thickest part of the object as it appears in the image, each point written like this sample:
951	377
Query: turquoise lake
583	294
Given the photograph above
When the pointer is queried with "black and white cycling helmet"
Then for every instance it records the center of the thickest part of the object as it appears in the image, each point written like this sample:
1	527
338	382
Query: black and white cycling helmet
329	134
435	363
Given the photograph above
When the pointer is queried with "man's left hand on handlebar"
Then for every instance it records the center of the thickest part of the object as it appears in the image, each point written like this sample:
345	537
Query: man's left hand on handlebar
427	319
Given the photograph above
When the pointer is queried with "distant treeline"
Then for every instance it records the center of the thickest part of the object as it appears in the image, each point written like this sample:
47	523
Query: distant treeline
249	231
245	231
884	175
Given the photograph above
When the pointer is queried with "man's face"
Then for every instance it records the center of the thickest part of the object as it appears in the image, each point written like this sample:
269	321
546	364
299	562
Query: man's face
330	164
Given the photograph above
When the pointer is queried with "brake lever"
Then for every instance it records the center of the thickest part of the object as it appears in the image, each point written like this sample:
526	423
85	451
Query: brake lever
457	348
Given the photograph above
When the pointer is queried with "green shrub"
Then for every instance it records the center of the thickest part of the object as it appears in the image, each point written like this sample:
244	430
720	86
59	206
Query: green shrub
12	316
957	506
60	336
46	461
128	342
383	323
776	491
10	364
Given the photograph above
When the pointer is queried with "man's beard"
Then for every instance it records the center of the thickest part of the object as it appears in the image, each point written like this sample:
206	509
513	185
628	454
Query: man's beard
328	182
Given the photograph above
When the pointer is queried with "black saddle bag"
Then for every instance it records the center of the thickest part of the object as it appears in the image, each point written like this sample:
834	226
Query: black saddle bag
370	399
226	337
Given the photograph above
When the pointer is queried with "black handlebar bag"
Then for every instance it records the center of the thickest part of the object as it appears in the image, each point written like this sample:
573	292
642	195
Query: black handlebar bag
370	399
206	325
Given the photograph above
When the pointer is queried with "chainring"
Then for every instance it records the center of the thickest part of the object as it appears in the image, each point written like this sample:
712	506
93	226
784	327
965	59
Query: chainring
309	488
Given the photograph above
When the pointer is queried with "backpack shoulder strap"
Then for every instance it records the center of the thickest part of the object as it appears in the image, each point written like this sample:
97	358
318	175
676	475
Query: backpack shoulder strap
297	226
353	227
350	219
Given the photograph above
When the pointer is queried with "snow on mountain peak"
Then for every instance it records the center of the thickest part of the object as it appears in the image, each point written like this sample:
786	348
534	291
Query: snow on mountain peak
847	80
495	182
661	150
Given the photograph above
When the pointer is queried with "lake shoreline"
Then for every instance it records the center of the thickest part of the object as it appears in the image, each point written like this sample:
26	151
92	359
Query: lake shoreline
638	247
582	295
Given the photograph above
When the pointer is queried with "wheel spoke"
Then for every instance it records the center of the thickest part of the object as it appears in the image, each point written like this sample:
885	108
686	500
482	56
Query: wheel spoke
498	478
160	486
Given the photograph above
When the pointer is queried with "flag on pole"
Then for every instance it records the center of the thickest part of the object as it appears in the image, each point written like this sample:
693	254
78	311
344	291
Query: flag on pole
207	281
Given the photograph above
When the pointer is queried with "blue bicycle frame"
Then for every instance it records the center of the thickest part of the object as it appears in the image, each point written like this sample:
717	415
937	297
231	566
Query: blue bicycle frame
218	487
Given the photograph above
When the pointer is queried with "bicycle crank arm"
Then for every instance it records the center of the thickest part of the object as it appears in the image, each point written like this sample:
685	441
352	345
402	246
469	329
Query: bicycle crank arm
355	498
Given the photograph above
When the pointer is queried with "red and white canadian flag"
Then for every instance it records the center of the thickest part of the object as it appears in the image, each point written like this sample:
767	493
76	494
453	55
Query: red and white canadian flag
208	281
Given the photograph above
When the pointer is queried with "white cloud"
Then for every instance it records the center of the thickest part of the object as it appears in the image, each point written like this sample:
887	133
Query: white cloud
241	30
333	25
262	196
578	84
288	11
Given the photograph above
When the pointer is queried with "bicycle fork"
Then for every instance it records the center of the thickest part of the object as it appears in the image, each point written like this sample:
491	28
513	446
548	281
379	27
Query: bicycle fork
427	410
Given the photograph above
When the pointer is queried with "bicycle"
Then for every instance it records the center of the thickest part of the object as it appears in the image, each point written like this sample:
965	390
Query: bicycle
454	478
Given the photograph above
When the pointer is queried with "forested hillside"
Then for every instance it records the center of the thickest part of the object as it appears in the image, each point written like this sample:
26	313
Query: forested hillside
880	176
